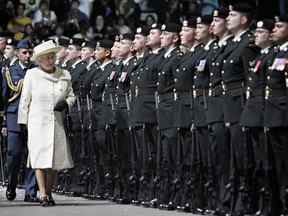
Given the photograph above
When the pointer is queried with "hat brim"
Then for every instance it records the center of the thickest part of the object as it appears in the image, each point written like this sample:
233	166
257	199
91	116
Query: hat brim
52	50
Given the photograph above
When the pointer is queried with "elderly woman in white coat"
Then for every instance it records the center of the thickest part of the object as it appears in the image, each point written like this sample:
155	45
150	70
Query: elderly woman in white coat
46	93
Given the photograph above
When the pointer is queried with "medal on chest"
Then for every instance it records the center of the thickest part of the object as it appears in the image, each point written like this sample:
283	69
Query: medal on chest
279	64
112	75
201	65
123	77
257	66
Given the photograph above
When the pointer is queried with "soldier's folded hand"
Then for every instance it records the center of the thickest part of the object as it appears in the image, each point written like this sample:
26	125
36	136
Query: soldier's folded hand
61	105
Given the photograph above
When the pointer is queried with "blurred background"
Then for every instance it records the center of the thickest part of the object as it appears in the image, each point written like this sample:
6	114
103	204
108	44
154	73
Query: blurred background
97	19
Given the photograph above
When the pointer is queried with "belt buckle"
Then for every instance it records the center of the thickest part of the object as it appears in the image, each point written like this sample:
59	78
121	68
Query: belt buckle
248	93
210	92
267	93
194	93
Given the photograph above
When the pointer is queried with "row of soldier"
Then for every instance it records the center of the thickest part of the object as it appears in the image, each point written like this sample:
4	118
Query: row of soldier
190	117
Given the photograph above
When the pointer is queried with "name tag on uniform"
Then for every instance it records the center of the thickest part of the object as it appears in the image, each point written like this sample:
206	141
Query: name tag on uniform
257	66
201	65
112	75
123	77
279	64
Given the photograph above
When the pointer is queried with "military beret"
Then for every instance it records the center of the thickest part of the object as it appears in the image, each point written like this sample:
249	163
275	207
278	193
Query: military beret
105	43
191	22
90	44
281	18
242	7
63	41
24	44
171	27
206	20
266	24
76	41
127	36
221	12
142	31
11	42
155	26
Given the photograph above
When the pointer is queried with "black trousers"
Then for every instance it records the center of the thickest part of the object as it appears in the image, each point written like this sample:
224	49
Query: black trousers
168	140
278	140
218	167
146	156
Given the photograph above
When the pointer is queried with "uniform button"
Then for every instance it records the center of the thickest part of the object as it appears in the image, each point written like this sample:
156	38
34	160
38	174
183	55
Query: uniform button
147	68
175	80
184	68
210	84
224	61
232	61
141	69
131	82
138	77
177	70
213	63
268	77
217	64
222	72
250	78
159	74
132	74
157	83
163	72
195	77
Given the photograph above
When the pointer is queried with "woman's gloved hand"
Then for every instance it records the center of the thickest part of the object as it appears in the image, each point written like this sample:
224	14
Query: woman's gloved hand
61	105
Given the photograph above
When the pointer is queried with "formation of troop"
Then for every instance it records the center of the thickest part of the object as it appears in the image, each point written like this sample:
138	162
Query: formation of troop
190	117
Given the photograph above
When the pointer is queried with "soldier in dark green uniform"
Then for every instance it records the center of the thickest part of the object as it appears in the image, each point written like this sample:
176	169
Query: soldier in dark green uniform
252	119
76	67
123	112
276	118
109	111
144	112
95	81
238	57
219	147
183	73
168	133
200	95
139	134
63	43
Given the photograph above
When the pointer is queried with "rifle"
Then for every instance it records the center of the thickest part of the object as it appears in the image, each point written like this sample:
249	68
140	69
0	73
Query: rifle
133	159
82	144
157	178
92	158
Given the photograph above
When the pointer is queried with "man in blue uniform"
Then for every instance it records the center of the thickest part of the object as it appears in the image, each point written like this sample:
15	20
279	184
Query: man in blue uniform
12	84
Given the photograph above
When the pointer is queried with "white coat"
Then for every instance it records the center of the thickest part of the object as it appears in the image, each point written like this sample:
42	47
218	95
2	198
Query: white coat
48	146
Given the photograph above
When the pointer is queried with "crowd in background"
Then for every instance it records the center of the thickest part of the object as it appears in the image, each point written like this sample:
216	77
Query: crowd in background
98	19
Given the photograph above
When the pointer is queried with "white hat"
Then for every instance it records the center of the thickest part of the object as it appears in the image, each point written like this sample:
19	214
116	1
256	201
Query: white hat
45	48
